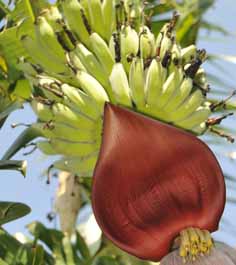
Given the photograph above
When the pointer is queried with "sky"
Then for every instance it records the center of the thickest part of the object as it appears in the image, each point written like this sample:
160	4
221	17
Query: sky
34	191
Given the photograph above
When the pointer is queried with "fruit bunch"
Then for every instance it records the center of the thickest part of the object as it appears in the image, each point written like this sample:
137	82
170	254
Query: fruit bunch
85	53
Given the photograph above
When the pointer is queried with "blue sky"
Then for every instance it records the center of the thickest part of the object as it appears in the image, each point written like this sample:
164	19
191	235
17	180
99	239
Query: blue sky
33	189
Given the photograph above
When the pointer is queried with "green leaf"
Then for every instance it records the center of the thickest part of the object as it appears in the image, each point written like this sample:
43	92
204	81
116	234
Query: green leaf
227	58
51	237
213	27
8	246
10	108
14	165
105	261
82	246
38	258
10	211
3	10
22	89
24	138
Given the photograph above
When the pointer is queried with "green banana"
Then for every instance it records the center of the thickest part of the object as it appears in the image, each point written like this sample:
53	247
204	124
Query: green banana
180	94
194	101
166	45
46	148
109	12
71	148
102	52
91	64
82	167
147	43
154	83
85	5
47	38
52	15
134	12
188	54
96	16
70	117
137	82
171	84
73	12
84	103
200	77
93	88
37	53
197	117
27	68
75	61
66	132
200	129
129	43
120	85
44	112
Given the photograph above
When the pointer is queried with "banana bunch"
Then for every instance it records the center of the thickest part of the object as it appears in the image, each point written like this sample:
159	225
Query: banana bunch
85	53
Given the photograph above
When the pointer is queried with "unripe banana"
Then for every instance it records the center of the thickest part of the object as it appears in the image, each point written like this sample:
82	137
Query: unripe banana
70	117
136	82
85	5
73	12
200	129
147	43
66	132
46	148
52	15
84	103
82	167
102	52
194	101
129	43
47	38
76	62
166	45
120	85
134	11
197	117
49	87
93	88
154	83
160	36
171	84
71	148
91	64
188	54
200	77
96	16
44	112
37	53
175	58
180	94
109	12
27	68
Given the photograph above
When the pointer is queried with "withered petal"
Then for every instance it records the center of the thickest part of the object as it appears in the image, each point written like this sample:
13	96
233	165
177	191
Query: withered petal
151	181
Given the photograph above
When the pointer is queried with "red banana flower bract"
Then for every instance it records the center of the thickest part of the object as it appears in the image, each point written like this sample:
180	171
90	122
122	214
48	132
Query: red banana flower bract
151	181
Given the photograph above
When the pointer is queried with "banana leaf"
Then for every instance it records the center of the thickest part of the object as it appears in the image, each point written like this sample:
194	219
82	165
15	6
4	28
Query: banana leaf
10	211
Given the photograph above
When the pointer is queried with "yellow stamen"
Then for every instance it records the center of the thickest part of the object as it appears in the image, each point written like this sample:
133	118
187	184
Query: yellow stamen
194	242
